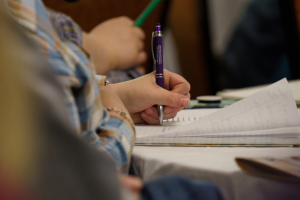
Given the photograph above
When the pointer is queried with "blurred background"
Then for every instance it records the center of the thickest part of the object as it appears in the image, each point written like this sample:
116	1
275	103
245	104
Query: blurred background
214	44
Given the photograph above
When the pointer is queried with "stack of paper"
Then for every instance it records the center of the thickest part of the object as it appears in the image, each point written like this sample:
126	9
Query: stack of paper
269	117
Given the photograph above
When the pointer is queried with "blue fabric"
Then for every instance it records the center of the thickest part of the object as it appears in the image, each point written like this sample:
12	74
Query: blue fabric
256	53
75	71
175	187
122	76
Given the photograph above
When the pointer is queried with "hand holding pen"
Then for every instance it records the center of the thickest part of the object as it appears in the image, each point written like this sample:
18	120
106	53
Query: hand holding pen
142	95
163	88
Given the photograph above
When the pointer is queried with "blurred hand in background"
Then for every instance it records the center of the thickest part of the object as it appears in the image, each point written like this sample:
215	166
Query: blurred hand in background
115	45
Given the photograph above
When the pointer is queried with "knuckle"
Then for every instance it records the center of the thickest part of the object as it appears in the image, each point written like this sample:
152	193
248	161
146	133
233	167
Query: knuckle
171	99
188	86
143	35
125	19
142	57
151	121
189	95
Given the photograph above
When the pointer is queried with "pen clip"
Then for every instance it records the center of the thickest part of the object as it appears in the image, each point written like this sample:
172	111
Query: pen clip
154	61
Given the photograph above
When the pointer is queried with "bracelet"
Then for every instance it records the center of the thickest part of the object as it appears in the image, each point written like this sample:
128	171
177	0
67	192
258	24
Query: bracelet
106	83
124	115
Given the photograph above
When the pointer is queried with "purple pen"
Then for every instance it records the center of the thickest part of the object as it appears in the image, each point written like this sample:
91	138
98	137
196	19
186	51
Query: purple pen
158	63
159	56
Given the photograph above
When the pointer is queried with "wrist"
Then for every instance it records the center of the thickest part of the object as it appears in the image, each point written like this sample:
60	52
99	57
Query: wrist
126	92
122	115
115	88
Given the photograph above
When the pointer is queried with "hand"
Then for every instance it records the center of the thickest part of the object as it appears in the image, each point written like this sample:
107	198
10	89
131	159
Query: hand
116	43
131	183
140	95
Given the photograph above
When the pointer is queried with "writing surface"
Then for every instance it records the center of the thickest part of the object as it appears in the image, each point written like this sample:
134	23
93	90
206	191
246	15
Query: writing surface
257	118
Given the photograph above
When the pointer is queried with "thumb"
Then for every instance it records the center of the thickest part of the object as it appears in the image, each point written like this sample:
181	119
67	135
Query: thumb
168	98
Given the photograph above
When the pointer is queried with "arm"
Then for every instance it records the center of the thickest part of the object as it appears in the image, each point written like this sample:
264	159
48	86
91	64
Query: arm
116	134
81	97
115	44
110	99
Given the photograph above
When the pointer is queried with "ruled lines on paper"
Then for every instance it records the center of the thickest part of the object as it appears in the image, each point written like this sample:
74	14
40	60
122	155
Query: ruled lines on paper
273	107
258	115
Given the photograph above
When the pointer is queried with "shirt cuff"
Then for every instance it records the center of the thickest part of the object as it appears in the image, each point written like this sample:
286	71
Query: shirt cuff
100	80
116	123
120	148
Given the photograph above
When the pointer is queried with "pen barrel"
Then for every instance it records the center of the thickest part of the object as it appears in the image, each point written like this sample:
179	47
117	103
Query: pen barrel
159	59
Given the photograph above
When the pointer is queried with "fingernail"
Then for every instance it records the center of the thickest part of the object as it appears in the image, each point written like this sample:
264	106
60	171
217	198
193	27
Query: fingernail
168	110
185	102
149	111
144	114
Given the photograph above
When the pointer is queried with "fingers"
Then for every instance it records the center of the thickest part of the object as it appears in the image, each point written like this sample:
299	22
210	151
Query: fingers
170	111
137	118
150	115
140	45
132	183
169	98
139	33
176	83
141	69
126	20
139	41
141	57
148	119
188	95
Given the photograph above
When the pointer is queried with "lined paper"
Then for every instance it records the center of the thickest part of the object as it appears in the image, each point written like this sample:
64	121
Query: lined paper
261	118
242	93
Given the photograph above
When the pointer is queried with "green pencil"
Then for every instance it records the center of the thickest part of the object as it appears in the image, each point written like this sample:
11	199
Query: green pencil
148	10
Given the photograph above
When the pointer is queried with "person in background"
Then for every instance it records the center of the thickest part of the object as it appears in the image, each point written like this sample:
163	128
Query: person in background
256	52
130	102
40	155
114	45
37	144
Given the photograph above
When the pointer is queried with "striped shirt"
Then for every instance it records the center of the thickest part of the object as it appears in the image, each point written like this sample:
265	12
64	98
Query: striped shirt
75	71
67	29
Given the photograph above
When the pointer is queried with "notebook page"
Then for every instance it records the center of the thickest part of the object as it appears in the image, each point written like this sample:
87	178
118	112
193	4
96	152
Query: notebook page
295	86
245	92
271	108
183	117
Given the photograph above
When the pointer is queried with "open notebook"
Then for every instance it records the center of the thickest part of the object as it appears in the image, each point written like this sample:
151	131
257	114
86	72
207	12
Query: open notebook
242	93
269	117
287	168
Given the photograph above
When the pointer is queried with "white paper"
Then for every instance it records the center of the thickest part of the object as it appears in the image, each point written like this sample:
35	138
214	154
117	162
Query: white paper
270	109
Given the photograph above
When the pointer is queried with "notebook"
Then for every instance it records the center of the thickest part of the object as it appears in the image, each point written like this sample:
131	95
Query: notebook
267	118
238	94
287	168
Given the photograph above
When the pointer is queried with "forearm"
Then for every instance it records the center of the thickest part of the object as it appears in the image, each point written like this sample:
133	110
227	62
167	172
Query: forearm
110	99
100	55
124	138
118	140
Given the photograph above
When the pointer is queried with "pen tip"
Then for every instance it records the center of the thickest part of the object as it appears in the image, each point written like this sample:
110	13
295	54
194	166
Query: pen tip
160	113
